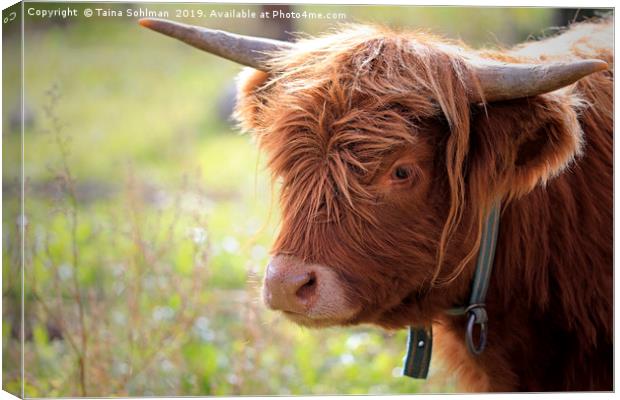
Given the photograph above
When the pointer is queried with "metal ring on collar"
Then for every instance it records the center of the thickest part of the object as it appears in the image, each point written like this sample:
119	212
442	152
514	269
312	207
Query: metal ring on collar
469	335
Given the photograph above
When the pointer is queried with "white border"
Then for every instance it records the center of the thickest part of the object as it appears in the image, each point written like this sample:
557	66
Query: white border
485	3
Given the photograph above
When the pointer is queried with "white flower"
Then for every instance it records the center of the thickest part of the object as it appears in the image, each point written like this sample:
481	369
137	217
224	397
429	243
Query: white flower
199	235
230	244
65	272
163	313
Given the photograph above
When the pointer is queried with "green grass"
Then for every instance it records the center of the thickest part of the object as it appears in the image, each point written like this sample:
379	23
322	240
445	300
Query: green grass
166	242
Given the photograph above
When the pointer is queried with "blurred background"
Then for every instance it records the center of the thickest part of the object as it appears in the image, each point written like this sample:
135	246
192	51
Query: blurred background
149	216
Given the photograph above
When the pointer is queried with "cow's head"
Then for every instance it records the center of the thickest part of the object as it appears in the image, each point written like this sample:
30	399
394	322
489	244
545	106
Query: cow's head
388	148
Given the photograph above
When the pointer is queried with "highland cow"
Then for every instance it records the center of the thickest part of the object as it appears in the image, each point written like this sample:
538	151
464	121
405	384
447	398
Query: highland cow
390	149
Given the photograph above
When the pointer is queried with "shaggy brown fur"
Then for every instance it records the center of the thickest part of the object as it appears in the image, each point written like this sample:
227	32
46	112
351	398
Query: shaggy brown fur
341	113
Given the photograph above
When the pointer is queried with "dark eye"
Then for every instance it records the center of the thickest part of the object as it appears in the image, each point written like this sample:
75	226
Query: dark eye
402	173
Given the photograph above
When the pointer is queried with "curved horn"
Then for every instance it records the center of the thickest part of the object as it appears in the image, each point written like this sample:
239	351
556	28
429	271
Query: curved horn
511	81
245	50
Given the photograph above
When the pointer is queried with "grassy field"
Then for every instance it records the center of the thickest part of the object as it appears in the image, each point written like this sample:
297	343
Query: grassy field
150	219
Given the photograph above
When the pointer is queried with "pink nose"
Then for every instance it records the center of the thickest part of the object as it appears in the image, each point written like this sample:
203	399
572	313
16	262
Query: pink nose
290	285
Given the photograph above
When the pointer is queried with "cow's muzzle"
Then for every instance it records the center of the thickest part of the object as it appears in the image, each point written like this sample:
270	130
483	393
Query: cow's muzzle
308	293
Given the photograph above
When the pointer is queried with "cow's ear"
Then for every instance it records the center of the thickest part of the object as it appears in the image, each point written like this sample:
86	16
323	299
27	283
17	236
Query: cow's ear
519	144
250	100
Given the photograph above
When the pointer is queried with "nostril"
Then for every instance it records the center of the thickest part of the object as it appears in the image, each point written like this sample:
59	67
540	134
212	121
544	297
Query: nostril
308	289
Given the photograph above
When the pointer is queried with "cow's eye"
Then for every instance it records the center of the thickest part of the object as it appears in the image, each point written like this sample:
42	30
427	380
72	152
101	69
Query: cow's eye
402	173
